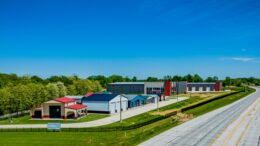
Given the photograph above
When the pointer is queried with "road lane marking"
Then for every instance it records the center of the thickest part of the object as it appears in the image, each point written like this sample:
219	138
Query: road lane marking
240	122
224	130
240	138
228	126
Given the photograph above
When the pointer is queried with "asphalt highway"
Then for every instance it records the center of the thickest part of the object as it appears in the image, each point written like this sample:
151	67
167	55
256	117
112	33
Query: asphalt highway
204	130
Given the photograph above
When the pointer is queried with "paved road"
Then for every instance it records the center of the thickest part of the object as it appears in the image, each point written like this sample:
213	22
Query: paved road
113	118
251	134
203	130
244	127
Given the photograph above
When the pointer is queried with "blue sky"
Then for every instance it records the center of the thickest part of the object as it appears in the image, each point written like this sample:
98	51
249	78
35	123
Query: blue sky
130	37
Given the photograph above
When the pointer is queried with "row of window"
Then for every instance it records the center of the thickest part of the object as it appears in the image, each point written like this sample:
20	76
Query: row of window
200	89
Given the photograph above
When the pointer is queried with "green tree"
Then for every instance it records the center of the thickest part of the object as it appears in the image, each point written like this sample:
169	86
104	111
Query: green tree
134	79
197	78
215	78
102	80
53	90
176	78
188	78
36	79
237	82
115	78
152	79
126	79
5	106
62	89
227	81
167	78
209	79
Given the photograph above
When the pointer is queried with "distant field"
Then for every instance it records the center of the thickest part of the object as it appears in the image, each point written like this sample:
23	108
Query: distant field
26	120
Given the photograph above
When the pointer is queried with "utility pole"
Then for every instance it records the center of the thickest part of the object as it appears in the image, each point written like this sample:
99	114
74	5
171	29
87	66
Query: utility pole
120	108
177	89
158	104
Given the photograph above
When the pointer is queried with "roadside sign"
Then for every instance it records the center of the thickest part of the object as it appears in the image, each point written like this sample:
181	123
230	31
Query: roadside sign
53	126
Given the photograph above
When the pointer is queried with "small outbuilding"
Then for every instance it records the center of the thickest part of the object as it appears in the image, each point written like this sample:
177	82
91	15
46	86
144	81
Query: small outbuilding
105	103
134	100
59	108
151	98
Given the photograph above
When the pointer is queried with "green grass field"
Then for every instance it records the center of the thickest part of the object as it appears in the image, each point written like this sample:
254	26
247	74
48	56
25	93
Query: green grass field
128	137
26	120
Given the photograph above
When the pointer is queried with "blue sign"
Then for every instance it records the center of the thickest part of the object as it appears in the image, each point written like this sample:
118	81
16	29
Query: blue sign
54	126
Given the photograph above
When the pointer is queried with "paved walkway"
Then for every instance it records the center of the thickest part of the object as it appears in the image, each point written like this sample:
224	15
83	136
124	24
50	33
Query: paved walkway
105	121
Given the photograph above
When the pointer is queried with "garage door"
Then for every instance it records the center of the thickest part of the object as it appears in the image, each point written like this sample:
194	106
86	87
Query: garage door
124	103
55	112
37	114
193	89
112	107
208	89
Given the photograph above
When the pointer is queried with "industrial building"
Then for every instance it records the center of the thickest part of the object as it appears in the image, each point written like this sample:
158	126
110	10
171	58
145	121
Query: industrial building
105	103
59	108
146	87
166	88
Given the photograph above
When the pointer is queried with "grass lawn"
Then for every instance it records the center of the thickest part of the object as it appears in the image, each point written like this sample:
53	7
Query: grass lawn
128	137
26	120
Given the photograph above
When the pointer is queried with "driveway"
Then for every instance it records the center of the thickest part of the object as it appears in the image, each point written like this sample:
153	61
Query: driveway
105	121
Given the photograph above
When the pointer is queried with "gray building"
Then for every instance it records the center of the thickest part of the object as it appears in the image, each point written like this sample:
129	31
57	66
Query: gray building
126	88
105	103
179	87
204	87
145	87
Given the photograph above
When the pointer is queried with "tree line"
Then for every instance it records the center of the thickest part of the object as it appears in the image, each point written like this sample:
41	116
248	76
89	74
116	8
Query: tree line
22	93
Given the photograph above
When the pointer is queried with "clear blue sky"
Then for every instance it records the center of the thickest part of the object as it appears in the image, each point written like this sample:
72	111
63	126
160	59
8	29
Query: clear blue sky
130	37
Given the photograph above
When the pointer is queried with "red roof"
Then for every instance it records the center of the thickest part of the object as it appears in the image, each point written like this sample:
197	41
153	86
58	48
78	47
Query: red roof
76	106
64	99
88	94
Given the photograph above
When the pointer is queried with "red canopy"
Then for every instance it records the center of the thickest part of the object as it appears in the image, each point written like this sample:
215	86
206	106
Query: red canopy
64	99
76	106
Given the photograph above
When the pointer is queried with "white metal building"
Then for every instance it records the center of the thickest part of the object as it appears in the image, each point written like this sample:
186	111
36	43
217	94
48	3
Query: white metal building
105	103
